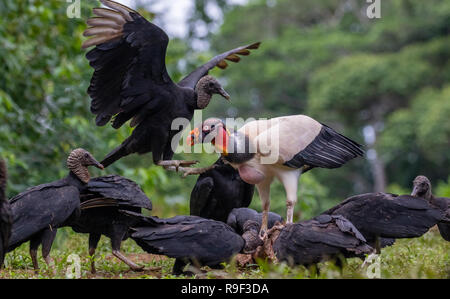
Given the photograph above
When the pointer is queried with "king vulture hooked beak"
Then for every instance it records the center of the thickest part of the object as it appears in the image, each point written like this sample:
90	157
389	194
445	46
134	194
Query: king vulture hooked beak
213	131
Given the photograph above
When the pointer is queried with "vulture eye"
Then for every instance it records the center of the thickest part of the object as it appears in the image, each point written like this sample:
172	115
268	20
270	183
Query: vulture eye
205	128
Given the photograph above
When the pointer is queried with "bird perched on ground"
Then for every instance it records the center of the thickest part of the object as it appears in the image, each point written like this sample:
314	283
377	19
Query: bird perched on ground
5	213
322	238
189	239
244	221
238	217
218	191
422	188
131	82
282	148
40	210
101	200
386	215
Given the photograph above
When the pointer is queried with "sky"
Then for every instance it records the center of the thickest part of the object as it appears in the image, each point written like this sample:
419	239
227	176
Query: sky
174	13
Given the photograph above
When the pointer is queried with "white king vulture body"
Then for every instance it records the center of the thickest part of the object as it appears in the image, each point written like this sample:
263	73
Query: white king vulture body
282	148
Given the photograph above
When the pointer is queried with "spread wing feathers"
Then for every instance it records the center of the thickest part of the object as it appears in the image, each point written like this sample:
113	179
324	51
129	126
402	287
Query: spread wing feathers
129	64
388	215
41	208
328	150
310	242
187	237
239	216
200	195
114	190
220	61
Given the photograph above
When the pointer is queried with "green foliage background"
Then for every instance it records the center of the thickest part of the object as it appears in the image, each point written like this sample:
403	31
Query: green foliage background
322	58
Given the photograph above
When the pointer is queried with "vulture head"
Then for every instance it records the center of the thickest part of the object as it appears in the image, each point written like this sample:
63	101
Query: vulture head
206	88
212	130
421	187
78	162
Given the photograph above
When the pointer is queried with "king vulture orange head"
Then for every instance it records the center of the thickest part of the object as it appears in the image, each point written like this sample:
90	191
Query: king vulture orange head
212	130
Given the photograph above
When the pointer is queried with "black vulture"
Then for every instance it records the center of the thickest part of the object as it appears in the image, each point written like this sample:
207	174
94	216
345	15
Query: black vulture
388	216
131	82
281	148
5	213
101	200
422	188
189	239
218	191
238	217
40	210
322	238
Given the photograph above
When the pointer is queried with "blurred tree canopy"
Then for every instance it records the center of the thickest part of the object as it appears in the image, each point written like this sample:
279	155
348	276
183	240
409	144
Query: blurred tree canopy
384	82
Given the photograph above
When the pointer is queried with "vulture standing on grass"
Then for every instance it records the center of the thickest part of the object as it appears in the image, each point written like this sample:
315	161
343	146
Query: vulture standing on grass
282	148
101	200
388	216
422	188
131	82
5	213
189	239
40	210
218	191
322	238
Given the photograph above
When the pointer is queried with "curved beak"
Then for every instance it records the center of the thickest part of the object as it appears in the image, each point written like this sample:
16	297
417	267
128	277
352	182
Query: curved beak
414	192
96	164
223	93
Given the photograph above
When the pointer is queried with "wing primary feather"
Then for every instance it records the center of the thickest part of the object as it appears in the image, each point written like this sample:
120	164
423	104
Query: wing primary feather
100	22
110	14
125	11
100	39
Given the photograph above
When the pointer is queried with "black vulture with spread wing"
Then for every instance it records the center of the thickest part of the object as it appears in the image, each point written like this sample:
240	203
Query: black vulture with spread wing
5	213
101	200
384	215
218	191
189	239
40	210
131	82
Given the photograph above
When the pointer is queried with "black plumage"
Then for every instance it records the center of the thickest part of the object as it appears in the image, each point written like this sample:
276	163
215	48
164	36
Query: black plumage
328	150
40	210
218	191
238	217
322	238
189	239
388	215
5	213
101	200
131	82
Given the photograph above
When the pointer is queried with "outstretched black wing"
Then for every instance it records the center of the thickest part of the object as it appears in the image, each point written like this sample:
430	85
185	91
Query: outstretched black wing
129	63
114	190
192	79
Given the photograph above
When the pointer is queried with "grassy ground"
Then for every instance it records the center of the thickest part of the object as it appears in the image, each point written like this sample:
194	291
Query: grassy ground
425	257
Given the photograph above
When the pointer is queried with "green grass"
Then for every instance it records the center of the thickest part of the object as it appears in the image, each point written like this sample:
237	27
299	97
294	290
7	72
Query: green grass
425	257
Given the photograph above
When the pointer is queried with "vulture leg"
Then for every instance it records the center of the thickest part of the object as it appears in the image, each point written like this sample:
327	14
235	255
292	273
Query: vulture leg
264	195
34	245
377	245
47	241
116	241
93	242
195	171
290	183
170	164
